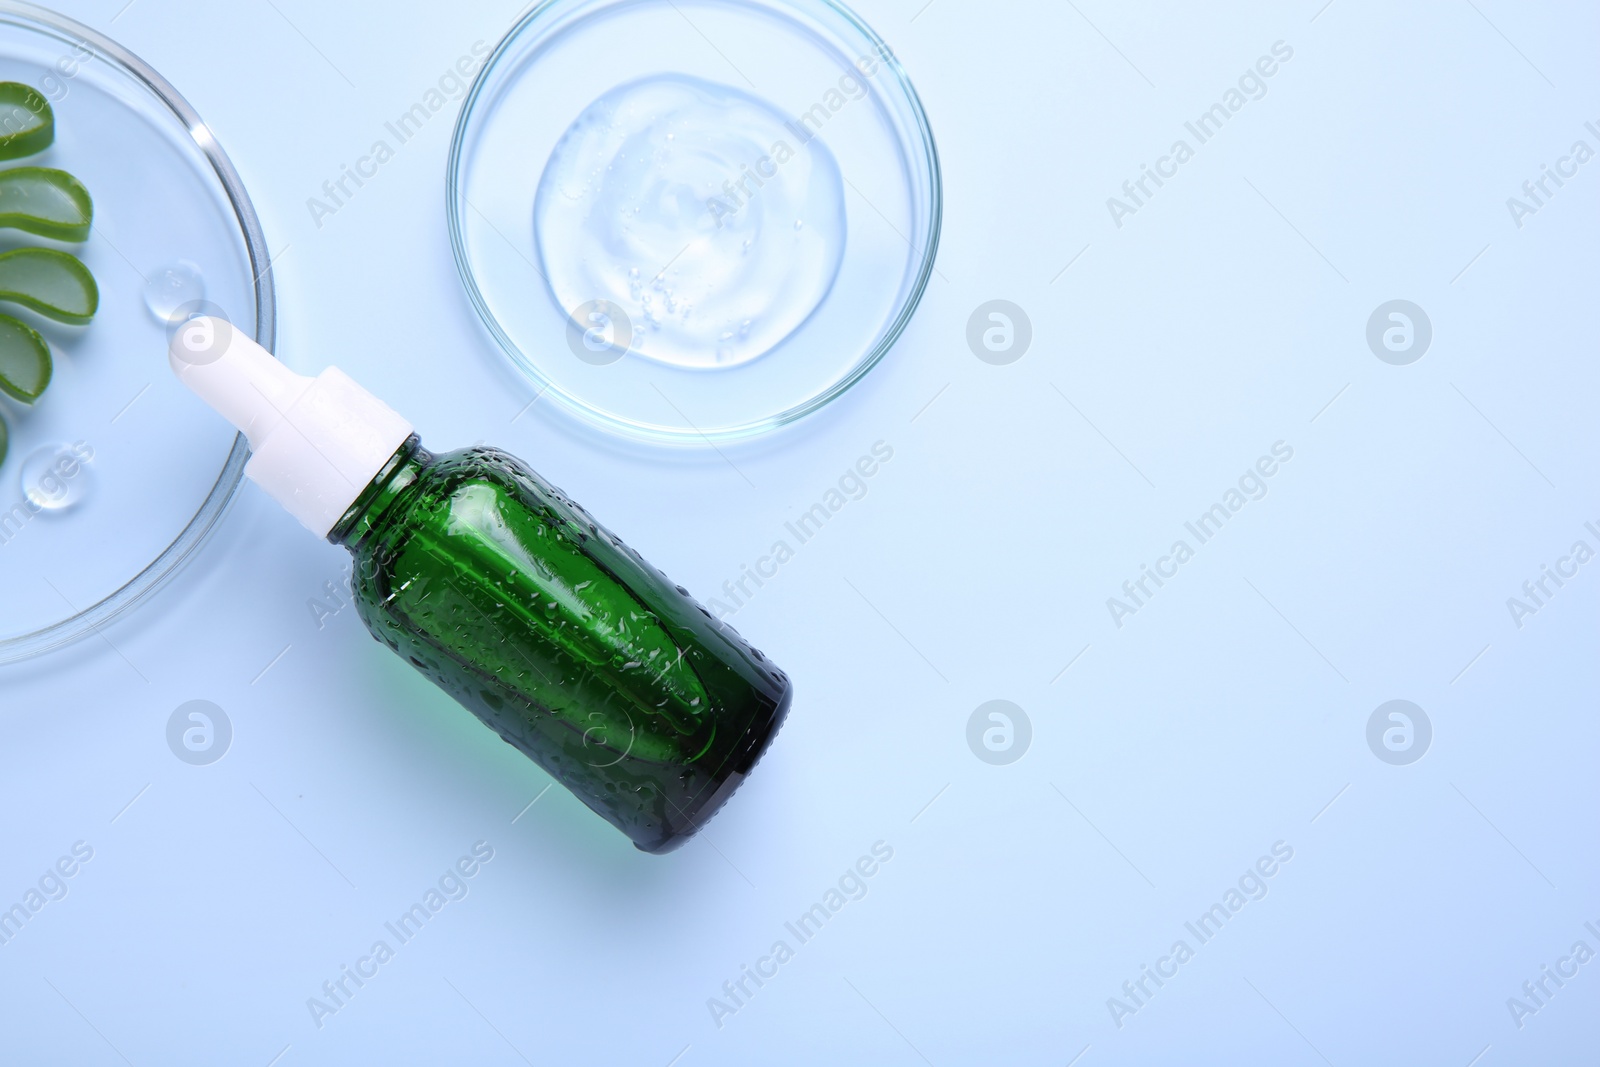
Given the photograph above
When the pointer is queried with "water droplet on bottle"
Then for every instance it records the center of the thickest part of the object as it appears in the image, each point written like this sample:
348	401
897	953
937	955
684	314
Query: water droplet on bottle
172	286
55	478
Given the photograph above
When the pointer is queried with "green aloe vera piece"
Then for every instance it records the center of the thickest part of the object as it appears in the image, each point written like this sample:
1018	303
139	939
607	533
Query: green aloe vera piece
5	439
25	365
53	283
45	201
27	125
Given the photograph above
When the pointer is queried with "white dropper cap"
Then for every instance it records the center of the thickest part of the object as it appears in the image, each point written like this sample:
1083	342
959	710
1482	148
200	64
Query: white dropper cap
316	443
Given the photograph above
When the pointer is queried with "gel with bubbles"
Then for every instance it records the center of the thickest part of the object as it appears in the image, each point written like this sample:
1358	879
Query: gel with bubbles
714	223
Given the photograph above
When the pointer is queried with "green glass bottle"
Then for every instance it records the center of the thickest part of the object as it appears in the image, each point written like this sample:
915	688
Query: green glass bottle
507	595
560	638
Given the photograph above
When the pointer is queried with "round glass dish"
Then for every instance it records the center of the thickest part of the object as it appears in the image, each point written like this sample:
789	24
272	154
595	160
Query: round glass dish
821	76
116	473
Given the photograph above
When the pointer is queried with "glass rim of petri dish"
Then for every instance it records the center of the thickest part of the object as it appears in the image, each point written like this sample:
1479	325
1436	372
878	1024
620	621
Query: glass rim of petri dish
565	54
180	120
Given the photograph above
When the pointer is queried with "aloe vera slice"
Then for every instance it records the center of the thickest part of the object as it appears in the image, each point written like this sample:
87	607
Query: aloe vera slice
53	283
5	439
25	365
48	202
27	125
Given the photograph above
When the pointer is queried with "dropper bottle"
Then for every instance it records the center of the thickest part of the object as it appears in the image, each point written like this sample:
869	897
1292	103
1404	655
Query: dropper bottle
506	594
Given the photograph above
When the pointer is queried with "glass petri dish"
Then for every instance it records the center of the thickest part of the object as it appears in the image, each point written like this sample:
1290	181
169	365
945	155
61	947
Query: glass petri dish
115	475
613	161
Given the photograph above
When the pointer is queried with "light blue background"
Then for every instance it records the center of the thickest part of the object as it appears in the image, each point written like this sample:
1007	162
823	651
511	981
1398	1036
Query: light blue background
1224	717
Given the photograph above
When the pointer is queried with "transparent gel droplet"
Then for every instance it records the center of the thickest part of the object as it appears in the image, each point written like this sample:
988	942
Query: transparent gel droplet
172	286
691	190
56	477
